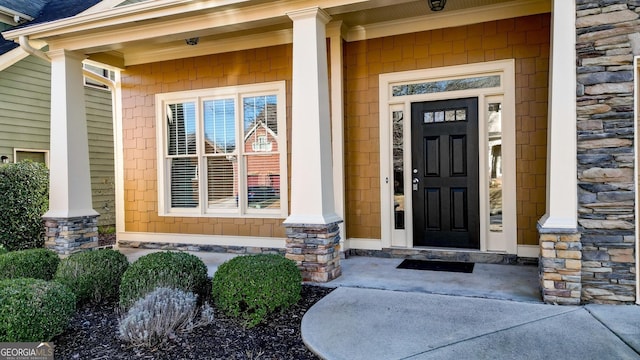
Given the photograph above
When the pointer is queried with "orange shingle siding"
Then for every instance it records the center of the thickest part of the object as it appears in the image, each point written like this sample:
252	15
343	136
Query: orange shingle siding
526	39
140	83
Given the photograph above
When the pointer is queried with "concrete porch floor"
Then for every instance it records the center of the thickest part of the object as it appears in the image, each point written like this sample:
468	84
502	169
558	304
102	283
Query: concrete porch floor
491	281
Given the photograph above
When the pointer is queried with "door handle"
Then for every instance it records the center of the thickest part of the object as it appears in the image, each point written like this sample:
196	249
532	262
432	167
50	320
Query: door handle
416	180
415	184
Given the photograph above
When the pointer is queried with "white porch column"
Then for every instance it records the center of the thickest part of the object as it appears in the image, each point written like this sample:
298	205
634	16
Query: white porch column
312	199
313	233
70	205
334	31
562	201
560	247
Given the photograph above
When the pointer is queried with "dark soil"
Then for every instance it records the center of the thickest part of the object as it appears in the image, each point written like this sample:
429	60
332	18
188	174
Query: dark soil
93	334
106	239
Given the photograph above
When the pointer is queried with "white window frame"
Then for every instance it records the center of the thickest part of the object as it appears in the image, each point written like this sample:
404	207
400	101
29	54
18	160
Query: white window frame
277	88
105	73
505	241
45	152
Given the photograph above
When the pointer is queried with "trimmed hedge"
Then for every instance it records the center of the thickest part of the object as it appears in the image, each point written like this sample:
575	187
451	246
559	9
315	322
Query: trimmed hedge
253	286
176	270
30	263
25	198
93	275
34	310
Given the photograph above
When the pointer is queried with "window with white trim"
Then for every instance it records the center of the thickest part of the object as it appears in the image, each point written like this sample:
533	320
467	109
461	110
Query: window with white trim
105	73
222	151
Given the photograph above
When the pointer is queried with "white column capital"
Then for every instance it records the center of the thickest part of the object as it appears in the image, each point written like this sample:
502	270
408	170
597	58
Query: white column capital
336	29
64	53
309	13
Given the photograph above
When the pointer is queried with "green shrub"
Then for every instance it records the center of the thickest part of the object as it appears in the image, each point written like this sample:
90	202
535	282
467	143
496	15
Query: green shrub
93	275
253	286
161	313
3	250
34	310
25	198
178	270
30	263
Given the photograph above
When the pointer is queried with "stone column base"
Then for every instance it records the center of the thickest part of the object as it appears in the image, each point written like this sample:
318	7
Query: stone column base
560	268
315	249
70	235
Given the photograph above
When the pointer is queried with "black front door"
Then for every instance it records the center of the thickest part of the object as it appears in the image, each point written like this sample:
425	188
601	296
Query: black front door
444	138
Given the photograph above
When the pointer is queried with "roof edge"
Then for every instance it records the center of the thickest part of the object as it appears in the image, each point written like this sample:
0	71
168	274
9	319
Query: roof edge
134	12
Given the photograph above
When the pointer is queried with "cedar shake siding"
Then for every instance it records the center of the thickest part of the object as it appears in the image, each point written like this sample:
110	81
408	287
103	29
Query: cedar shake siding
140	84
526	39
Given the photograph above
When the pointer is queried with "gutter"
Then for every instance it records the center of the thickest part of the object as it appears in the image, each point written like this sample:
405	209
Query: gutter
16	16
24	45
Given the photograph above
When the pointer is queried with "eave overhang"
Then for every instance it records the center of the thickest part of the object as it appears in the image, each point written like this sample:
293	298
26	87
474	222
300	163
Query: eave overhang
156	30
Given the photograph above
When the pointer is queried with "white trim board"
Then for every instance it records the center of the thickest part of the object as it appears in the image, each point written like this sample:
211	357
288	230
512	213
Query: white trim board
530	251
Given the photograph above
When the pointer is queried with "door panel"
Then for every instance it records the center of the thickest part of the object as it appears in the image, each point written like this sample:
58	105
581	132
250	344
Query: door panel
444	138
432	155
432	209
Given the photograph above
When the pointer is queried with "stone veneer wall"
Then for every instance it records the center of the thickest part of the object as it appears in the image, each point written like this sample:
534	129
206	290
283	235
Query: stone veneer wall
71	235
607	40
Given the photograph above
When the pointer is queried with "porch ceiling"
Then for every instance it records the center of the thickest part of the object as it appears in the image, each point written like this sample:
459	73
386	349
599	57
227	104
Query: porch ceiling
156	30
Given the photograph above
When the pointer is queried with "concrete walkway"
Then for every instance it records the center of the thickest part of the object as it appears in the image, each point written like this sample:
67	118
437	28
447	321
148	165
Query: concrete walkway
380	312
358	323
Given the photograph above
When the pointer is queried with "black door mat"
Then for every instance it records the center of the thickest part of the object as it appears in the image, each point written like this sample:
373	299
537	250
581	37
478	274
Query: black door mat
450	266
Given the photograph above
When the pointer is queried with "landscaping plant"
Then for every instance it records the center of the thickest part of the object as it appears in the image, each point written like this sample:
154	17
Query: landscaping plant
25	198
161	315
93	275
178	270
253	286
33	309
30	263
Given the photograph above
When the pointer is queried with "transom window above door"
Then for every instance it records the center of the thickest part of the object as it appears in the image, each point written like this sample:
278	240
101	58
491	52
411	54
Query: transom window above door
223	151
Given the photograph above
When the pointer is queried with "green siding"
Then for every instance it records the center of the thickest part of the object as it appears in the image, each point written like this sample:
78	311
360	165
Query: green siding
100	131
24	106
24	123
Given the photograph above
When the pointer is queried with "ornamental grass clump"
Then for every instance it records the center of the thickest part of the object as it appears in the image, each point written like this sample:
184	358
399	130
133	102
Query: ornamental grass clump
253	286
162	315
25	198
33	309
93	275
177	270
30	263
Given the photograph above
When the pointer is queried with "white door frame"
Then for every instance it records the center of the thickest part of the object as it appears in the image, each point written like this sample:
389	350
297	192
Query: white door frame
505	241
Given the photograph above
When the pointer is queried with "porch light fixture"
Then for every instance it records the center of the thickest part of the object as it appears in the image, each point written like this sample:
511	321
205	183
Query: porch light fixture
436	5
4	159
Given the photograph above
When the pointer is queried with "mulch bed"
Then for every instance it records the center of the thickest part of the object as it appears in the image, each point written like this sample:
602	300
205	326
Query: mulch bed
106	239
92	334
